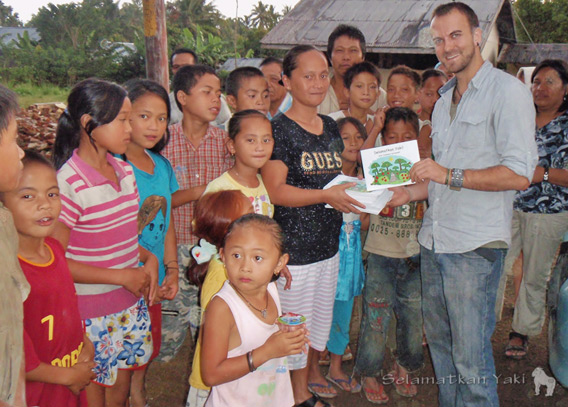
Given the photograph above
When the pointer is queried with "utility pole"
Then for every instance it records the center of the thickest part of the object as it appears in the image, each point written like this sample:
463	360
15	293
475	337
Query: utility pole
156	41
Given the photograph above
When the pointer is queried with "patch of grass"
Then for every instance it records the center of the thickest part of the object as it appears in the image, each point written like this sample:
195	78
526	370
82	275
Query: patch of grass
30	94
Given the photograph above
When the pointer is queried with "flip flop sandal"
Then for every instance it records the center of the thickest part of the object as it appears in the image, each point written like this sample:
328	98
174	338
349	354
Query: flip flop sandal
341	382
381	393
403	388
314	386
523	348
312	401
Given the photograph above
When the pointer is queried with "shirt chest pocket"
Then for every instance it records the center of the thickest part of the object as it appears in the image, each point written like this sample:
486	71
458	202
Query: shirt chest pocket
472	130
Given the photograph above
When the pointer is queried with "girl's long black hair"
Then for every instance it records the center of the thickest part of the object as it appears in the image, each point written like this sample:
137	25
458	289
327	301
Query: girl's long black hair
100	99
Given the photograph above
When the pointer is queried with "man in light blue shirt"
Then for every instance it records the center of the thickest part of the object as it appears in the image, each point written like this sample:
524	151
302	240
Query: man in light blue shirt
484	148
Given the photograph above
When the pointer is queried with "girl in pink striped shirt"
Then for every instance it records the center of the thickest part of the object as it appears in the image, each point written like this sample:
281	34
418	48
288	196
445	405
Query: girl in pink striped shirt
98	228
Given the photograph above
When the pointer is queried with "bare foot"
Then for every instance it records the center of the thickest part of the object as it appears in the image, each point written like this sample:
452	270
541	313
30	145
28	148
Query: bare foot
517	347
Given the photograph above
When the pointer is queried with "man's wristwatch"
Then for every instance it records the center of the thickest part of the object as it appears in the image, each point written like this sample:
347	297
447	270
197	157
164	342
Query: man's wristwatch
456	181
545	175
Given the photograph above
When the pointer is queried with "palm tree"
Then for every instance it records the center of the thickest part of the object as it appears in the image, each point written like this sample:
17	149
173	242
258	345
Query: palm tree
247	21
193	13
264	17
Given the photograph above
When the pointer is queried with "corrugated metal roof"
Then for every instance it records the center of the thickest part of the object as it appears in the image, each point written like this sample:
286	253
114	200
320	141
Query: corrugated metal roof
532	54
393	26
233	63
8	34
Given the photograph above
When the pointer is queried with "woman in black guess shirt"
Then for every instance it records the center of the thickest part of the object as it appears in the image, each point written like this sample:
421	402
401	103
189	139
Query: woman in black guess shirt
306	156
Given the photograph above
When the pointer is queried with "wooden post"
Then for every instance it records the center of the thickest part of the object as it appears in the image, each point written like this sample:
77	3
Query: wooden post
156	41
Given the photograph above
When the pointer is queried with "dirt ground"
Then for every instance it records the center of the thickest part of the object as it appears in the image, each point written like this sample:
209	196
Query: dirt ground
168	386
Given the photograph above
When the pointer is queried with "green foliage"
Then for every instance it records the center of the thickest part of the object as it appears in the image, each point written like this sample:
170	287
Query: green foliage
264	17
78	24
26	61
212	49
7	16
545	21
80	40
29	93
192	14
131	19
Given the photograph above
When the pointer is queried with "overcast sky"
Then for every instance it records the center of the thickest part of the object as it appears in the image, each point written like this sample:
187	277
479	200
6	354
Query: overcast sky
26	8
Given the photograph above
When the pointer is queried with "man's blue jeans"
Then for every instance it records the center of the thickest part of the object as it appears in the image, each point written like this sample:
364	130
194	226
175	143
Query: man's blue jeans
459	293
390	284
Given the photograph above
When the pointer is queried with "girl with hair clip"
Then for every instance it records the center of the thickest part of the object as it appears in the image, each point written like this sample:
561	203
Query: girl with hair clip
156	183
307	156
214	213
98	228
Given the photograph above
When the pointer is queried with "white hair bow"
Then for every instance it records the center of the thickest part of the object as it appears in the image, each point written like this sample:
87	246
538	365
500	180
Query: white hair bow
203	251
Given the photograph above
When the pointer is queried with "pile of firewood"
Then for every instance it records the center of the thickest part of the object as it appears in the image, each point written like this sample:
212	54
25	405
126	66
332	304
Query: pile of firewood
37	125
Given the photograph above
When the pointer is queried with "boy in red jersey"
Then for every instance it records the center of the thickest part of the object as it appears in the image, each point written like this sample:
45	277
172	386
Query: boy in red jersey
59	358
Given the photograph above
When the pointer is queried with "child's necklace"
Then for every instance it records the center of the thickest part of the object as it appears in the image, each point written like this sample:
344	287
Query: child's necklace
238	176
262	311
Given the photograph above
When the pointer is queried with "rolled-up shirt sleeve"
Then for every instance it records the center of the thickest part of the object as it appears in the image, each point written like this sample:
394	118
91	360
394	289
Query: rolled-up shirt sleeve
515	131
493	125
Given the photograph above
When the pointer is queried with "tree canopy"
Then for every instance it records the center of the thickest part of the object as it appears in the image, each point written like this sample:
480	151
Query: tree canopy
84	39
7	16
545	21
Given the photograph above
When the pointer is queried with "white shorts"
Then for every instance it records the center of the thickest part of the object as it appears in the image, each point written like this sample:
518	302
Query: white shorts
312	295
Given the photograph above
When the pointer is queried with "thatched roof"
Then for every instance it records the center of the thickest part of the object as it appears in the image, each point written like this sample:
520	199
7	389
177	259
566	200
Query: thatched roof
532	54
389	26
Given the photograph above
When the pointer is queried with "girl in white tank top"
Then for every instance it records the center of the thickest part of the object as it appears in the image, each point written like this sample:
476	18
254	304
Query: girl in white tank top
244	352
